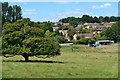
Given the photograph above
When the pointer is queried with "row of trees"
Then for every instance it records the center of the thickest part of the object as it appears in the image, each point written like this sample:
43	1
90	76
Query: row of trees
89	19
11	13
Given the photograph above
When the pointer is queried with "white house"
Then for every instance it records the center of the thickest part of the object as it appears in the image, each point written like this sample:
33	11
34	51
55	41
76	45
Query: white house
64	32
85	35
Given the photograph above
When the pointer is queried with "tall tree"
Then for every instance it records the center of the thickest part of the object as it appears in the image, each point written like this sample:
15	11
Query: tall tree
95	19
85	18
100	19
11	13
106	19
71	31
4	11
113	18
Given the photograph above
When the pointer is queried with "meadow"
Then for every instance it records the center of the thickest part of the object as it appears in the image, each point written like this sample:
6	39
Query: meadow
76	61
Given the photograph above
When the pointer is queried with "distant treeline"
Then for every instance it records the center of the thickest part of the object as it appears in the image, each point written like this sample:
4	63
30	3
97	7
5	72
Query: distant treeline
89	19
14	13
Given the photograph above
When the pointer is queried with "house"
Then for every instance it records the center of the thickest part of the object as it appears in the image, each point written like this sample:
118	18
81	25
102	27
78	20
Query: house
61	23
113	22
64	32
56	23
85	35
55	28
65	24
98	29
109	24
78	27
93	25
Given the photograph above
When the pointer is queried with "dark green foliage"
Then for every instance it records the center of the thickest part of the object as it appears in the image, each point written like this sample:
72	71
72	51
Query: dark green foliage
43	25
96	19
85	18
89	19
85	41
81	30
72	20
11	13
78	37
60	39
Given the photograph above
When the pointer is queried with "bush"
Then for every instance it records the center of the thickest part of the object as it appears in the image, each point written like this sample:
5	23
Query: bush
85	41
60	39
78	37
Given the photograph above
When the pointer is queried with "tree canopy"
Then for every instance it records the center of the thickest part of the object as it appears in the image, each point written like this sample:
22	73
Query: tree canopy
112	32
21	39
11	13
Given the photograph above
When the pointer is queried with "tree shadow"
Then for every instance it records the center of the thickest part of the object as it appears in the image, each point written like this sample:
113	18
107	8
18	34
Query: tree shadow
39	61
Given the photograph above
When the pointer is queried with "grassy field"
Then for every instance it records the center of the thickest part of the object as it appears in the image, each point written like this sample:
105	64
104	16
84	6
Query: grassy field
82	62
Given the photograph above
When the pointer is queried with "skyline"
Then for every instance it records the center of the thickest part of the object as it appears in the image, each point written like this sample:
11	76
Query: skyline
54	11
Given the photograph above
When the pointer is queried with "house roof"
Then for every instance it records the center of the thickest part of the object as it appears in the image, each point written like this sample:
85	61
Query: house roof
108	24
65	31
65	24
92	24
100	28
79	25
86	35
55	27
77	28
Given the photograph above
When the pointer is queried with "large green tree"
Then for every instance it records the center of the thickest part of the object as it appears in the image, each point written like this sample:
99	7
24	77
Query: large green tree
21	39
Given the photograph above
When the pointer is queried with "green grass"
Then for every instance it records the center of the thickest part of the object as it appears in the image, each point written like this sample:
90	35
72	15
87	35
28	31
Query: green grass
83	62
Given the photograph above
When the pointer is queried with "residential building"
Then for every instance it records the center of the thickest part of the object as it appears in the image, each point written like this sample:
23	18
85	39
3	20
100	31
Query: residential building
98	29
55	28
56	23
88	25
61	23
109	24
64	32
78	27
65	24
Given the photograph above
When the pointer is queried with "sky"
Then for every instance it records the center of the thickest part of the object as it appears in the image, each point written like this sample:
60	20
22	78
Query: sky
54	11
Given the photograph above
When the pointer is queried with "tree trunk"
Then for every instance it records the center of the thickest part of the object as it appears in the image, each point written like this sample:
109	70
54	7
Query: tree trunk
26	57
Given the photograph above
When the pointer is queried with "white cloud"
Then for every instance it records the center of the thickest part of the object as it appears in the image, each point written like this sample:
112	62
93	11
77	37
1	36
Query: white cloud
63	14
78	9
29	13
63	2
70	12
107	5
32	10
66	2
